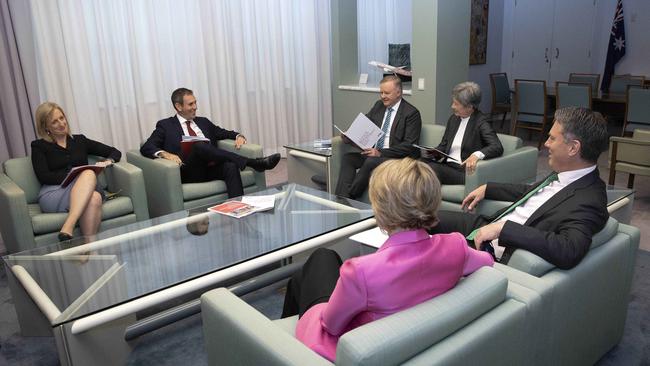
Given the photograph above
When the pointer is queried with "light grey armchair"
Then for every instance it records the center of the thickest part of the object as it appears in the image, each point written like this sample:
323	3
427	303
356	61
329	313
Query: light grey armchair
166	193
584	309
476	322
24	226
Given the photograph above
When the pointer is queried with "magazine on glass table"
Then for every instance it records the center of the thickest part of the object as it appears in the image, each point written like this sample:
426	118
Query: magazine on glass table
248	205
434	154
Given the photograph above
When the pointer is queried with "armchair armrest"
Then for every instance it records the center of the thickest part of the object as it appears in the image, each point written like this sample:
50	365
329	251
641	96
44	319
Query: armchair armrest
339	148
250	151
163	183
129	179
237	334
516	167
16	224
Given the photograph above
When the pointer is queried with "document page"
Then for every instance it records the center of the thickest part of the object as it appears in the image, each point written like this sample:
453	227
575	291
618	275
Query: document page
363	132
261	203
373	237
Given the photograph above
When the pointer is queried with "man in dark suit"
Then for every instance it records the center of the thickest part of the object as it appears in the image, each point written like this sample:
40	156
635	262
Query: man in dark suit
203	161
400	120
468	138
557	217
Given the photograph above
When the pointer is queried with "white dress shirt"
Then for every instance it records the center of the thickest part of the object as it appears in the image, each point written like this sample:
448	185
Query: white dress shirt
182	121
390	123
522	213
455	149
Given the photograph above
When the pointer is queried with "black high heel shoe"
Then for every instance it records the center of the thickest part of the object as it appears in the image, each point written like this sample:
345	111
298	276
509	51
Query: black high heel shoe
64	236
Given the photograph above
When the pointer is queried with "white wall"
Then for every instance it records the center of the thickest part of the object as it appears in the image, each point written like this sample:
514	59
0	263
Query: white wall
637	29
481	73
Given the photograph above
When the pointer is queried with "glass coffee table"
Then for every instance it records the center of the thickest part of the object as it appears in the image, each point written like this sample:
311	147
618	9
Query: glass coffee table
86	295
304	160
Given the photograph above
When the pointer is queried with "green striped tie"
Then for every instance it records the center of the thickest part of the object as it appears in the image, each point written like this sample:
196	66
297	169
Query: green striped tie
550	179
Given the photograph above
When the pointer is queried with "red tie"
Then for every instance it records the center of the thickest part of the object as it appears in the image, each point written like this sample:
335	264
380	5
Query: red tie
189	128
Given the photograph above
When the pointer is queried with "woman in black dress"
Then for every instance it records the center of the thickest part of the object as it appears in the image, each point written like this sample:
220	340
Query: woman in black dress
53	156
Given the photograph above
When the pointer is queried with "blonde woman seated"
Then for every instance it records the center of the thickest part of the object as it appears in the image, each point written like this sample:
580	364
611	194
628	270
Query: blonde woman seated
53	156
410	267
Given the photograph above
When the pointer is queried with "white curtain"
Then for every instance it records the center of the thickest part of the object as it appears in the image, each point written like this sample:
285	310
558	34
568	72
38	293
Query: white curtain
380	22
261	67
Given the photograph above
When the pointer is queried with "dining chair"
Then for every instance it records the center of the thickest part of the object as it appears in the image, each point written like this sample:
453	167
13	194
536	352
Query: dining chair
572	95
630	155
591	79
620	83
531	107
500	95
637	109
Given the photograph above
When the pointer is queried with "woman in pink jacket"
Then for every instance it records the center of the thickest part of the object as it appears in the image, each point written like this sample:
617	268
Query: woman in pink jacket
410	267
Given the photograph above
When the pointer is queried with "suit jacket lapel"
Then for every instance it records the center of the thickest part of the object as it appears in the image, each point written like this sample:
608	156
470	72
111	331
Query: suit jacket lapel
562	195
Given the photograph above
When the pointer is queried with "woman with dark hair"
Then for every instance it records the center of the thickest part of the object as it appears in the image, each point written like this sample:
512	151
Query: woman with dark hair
53	156
333	298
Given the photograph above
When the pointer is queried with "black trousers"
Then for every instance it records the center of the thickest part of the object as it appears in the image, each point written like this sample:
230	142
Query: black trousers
207	162
313	284
353	183
465	223
462	222
448	173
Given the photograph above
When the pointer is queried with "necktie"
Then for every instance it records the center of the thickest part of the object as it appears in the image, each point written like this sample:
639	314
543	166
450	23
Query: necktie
189	128
550	179
384	129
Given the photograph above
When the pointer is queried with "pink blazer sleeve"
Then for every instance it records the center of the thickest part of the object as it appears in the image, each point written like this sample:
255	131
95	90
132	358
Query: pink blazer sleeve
475	259
348	299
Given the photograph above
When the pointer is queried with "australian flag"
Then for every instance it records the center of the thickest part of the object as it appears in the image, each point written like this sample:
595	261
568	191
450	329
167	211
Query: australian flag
616	47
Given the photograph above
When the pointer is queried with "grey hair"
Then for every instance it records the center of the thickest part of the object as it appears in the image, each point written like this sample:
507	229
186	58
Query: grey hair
468	94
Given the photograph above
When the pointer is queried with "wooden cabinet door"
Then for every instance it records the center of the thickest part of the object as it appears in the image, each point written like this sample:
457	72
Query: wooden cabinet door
573	26
532	37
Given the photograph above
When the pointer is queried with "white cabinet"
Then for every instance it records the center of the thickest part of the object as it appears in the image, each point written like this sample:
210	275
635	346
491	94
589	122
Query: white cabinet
550	39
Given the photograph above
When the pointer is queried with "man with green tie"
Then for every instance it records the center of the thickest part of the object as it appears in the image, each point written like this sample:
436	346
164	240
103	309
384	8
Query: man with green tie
556	217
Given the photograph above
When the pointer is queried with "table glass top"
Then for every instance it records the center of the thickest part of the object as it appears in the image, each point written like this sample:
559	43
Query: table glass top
310	148
135	260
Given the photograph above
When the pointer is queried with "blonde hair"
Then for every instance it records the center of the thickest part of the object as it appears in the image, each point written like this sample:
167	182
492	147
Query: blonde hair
405	194
43	115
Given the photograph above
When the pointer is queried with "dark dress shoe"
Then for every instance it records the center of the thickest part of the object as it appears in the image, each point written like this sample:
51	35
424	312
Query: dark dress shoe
266	163
64	237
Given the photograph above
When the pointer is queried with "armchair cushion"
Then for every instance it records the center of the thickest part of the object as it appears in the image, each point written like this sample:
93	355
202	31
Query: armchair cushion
44	223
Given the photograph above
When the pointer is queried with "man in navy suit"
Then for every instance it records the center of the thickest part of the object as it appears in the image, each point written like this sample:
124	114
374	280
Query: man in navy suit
402	124
203	161
555	218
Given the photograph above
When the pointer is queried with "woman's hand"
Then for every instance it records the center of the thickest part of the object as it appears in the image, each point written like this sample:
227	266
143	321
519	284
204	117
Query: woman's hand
470	164
104	163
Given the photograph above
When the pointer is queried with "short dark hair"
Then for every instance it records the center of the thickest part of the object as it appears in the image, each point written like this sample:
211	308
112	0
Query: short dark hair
395	79
586	126
179	94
